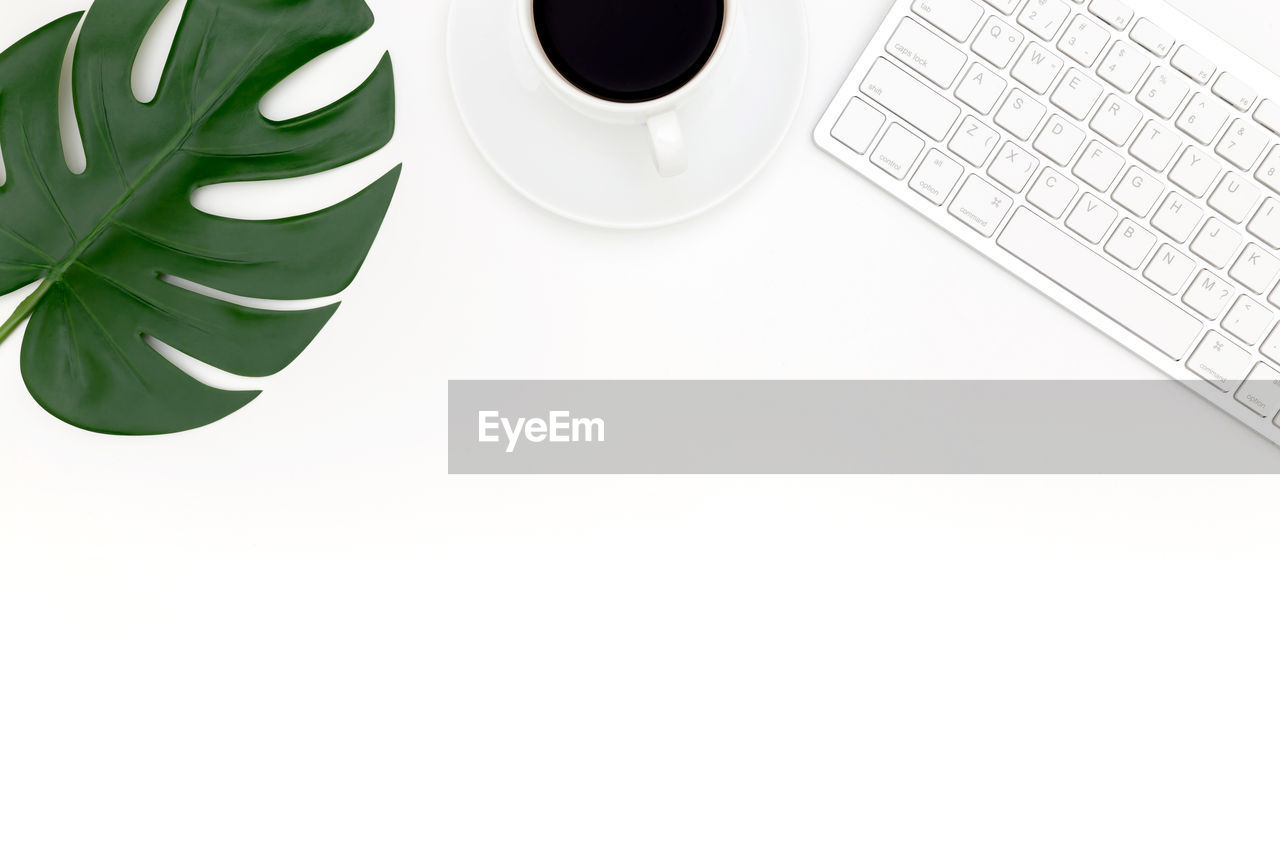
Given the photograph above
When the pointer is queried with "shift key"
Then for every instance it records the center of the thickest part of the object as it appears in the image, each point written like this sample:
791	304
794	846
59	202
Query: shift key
912	100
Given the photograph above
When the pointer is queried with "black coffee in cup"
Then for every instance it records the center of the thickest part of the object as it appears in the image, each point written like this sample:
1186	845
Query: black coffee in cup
629	51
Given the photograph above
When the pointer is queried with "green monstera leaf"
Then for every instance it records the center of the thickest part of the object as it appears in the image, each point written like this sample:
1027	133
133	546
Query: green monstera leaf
101	242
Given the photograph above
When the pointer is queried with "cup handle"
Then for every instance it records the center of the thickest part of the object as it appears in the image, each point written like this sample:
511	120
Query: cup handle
670	154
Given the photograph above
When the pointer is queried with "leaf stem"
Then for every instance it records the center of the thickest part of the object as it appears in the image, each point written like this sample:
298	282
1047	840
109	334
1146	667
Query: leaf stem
24	310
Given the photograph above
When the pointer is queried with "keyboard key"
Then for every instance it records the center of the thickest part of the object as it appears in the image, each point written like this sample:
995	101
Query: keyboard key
1013	167
997	42
858	126
1116	121
1177	218
956	18
1235	92
1256	269
1084	40
1099	166
1268	115
1163	92
1234	198
1261	391
1195	172
1052	193
1220	362
1091	278
1036	68
1208	295
1043	17
1243	144
1193	65
1005	6
1152	37
1203	118
1155	146
1265	224
1076	94
1271	349
1130	243
1020	114
980	88
1137	192
1216	243
1169	269
1112	12
897	151
1123	66
1091	218
1059	140
1269	171
915	102
980	206
937	176
926	53
974	141
1247	320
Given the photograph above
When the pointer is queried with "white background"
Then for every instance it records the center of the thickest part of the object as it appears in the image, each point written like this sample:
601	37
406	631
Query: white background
292	631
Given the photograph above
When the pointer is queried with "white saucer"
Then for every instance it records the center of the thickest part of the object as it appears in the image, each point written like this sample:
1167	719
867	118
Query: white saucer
602	174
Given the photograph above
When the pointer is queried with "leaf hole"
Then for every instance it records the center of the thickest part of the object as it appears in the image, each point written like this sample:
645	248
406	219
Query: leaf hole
68	123
204	373
247	301
325	79
153	54
288	197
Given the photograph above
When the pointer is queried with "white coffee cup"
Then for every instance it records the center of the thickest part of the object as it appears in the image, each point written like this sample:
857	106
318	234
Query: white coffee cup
670	153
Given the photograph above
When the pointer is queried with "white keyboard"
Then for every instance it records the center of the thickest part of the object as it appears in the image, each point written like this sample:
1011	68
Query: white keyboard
1117	156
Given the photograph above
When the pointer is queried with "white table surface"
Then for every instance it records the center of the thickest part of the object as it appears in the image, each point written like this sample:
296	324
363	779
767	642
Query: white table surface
292	631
